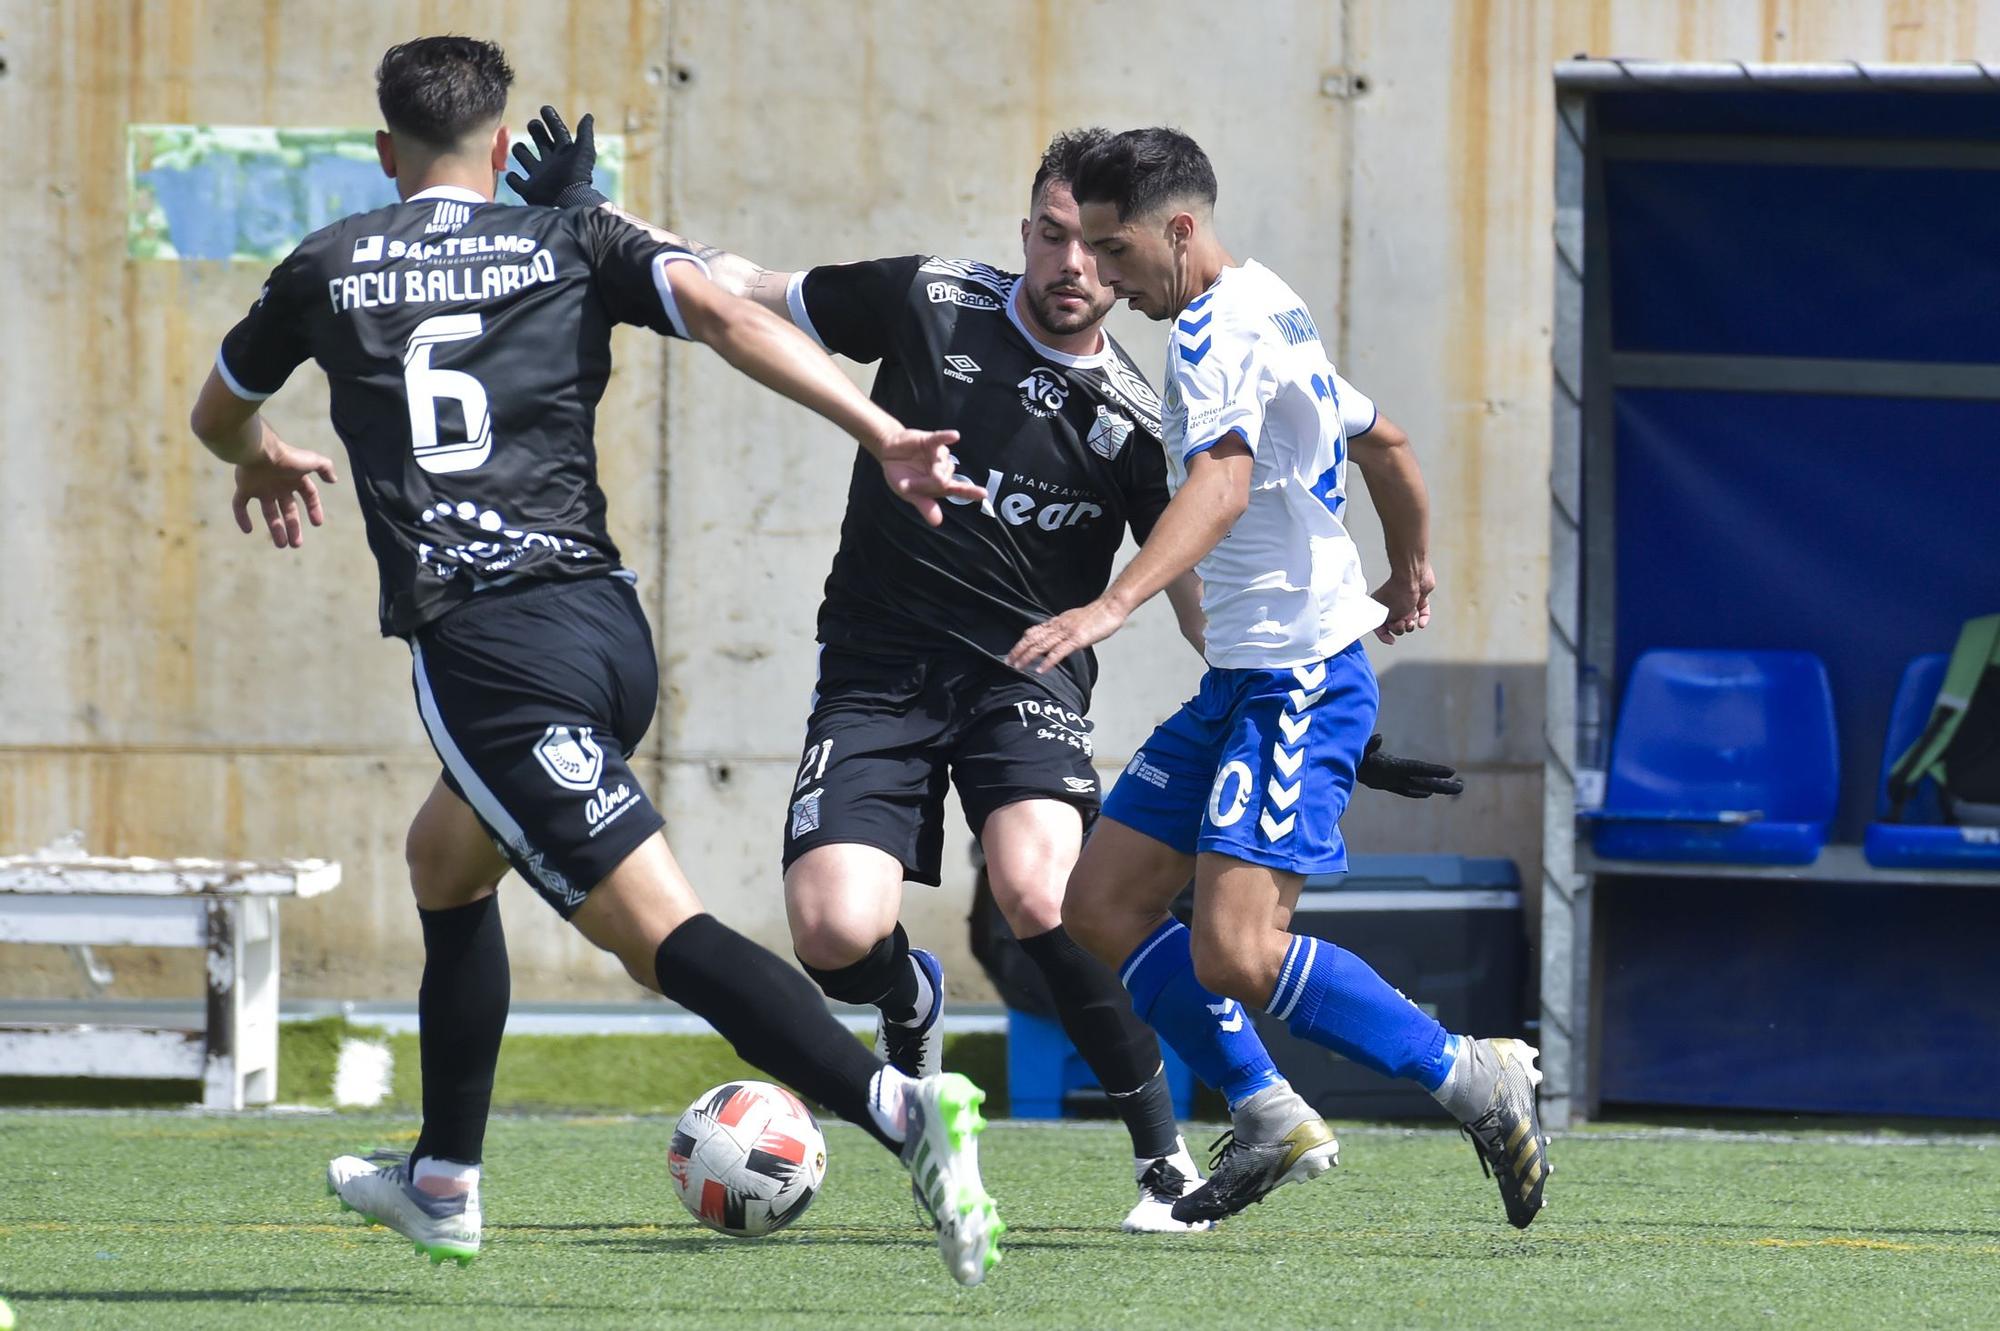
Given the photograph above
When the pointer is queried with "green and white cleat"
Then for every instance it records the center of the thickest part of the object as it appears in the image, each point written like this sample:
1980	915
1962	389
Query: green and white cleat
379	1189
942	1154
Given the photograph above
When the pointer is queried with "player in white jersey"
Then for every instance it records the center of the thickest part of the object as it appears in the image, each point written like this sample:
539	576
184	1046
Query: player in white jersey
1245	785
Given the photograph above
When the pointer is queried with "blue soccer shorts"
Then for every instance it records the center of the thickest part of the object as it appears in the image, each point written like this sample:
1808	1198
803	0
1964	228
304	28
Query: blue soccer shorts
1258	765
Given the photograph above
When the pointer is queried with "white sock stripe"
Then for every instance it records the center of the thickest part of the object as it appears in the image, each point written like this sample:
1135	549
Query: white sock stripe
1305	970
926	995
477	793
1126	1095
1285	975
1162	935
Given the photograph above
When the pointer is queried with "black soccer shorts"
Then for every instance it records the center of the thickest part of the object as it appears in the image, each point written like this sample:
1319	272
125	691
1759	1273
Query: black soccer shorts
535	696
886	733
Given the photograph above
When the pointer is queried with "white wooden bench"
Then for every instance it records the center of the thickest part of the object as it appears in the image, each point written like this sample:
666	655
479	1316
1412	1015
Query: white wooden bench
227	907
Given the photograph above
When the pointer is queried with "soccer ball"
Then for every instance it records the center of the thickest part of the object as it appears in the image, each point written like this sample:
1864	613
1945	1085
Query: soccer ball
747	1159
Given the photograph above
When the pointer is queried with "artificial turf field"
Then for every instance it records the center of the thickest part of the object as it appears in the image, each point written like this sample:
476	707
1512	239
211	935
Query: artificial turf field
160	1220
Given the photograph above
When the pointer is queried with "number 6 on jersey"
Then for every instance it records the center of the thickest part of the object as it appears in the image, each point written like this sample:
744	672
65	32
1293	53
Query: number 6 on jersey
424	385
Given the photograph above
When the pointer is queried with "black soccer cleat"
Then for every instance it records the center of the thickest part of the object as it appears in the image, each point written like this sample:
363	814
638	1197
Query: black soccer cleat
1508	1135
1292	1144
916	1051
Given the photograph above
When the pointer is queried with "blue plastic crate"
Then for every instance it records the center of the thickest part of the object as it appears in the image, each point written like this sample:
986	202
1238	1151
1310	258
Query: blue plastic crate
1043	1067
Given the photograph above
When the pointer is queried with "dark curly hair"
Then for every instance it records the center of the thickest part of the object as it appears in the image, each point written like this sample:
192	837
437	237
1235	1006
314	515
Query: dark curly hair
1060	158
440	89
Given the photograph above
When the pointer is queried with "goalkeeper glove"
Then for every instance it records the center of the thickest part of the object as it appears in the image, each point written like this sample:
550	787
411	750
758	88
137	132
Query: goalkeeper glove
1412	778
560	176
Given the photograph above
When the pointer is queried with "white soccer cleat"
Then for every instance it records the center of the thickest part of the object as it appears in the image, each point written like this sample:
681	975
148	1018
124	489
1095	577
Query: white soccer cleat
942	1154
379	1188
1163	1182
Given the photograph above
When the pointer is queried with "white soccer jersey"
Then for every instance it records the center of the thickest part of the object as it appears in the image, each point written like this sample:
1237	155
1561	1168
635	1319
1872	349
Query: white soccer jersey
1284	587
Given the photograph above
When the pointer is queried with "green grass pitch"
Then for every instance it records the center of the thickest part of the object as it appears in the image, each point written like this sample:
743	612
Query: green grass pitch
165	1220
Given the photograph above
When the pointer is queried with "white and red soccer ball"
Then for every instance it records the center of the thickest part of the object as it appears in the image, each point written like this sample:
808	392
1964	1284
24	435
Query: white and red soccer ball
747	1158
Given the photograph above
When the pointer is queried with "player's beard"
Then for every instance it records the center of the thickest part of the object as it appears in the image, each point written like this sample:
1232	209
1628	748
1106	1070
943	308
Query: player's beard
1064	322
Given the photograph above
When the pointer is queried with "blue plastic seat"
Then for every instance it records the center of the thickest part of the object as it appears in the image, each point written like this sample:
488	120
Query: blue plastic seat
1922	840
1043	1067
1722	757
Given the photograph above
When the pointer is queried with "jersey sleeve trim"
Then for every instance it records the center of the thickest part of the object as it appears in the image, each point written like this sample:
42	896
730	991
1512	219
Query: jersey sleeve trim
1353	403
660	284
1203	448
795	301
235	385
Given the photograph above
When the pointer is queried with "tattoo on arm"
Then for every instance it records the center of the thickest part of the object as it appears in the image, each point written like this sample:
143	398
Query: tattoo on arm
732	272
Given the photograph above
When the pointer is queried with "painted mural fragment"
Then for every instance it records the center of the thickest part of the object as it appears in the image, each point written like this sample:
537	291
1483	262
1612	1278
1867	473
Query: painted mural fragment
252	192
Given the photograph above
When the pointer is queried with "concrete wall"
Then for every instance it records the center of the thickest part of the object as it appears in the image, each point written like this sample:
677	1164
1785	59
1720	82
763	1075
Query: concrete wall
169	686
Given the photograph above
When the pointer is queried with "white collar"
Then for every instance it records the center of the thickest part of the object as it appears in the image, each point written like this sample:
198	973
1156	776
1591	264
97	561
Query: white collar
456	193
1092	361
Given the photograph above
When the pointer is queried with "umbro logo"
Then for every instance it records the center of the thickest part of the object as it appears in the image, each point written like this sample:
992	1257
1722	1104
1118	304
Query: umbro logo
961	368
1078	785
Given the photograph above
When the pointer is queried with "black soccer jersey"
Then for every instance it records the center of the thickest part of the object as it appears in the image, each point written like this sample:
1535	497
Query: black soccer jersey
1067	448
466	344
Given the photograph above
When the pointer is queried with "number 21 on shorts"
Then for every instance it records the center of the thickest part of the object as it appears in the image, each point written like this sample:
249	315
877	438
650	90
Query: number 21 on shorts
814	766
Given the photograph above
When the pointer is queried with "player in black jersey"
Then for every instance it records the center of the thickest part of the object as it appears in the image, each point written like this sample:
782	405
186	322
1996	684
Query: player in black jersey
1063	431
467	345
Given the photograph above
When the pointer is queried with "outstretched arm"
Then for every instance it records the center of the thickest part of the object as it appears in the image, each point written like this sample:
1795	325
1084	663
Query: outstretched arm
732	272
1216	492
917	464
1396	487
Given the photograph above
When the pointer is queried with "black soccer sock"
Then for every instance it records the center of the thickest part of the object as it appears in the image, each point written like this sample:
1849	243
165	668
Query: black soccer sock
461	1014
1096	1013
771	1015
884	978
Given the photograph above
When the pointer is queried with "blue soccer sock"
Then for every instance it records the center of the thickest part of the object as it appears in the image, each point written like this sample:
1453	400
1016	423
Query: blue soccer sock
1333	998
1212	1035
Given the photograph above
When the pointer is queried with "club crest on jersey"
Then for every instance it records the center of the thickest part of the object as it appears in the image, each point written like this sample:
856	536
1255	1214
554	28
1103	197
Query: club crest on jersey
570	757
1043	392
1108	433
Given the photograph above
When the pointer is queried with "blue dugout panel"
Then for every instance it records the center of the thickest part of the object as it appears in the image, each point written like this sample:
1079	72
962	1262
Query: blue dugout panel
1792	431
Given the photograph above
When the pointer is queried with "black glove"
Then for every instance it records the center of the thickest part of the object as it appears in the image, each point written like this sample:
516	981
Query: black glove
560	177
1412	778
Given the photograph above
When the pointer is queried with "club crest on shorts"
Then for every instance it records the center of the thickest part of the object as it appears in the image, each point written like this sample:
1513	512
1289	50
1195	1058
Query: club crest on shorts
570	757
805	812
1108	433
